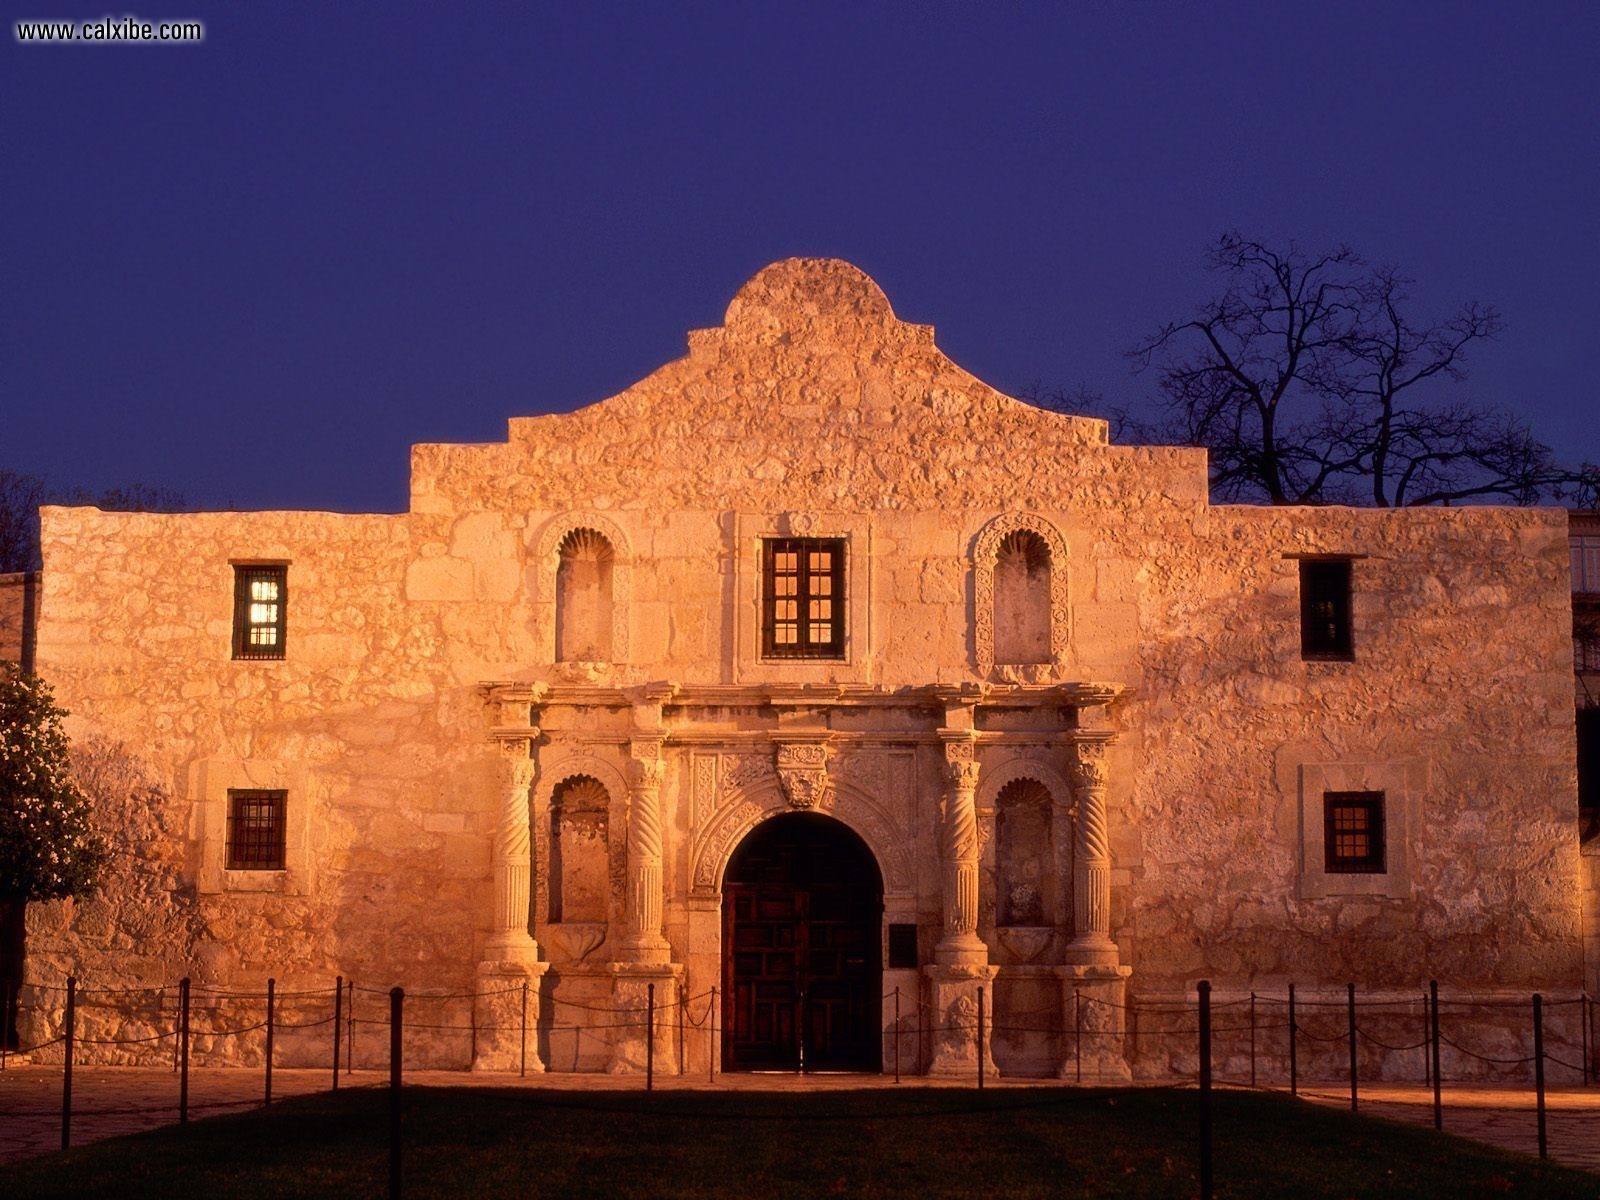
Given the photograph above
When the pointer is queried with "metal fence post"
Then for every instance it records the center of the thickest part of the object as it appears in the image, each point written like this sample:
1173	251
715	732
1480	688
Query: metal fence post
524	1029
183	1051
1438	1100
1583	1032
683	1003
980	1037
897	1034
1077	1032
272	988
350	1030
1427	1037
1252	1039
1204	989
1538	1068
1351	991
6	1022
338	1020
1294	1061
650	1038
397	1000
711	1039
68	1028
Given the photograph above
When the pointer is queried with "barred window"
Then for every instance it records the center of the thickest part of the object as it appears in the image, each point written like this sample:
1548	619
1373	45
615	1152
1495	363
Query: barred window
256	830
1325	609
260	601
1353	833
1585	565
802	598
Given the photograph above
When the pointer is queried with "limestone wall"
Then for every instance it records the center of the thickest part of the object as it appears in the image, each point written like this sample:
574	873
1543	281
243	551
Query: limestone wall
16	615
814	412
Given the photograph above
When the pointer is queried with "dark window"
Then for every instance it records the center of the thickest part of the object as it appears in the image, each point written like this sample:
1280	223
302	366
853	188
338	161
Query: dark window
1325	608
802	600
902	946
255	830
1353	833
260	599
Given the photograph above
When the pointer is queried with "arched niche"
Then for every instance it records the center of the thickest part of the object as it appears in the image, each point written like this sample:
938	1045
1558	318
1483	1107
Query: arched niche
584	588
1020	611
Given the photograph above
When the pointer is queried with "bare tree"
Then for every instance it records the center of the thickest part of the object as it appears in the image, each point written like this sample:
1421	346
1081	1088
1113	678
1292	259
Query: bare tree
1310	382
22	494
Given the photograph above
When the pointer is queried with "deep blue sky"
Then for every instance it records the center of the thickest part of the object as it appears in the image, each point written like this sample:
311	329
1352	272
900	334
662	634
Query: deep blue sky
256	270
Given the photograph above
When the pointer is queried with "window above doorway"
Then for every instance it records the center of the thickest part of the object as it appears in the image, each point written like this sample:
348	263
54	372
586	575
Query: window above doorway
802	598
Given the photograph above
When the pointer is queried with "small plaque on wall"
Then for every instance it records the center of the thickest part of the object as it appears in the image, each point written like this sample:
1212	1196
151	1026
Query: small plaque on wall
902	946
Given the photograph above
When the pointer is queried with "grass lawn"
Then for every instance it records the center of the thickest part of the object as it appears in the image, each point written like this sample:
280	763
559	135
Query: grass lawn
911	1142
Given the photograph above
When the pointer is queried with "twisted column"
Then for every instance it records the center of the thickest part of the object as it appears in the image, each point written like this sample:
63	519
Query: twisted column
959	850
643	942
1091	859
512	860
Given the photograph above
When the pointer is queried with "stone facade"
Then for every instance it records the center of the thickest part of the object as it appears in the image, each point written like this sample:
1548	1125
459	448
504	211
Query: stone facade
523	728
18	601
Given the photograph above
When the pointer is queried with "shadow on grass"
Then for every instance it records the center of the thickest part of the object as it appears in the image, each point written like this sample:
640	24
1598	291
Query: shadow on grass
916	1142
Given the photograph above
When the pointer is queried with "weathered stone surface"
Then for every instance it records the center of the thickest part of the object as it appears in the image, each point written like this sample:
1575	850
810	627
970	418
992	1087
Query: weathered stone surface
1172	641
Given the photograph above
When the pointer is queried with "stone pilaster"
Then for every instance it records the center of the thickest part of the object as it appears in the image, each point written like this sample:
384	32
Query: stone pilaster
955	1041
630	1000
1094	1023
643	942
1091	943
505	1013
512	860
959	852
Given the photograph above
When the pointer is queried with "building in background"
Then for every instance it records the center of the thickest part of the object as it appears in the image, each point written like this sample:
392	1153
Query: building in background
813	670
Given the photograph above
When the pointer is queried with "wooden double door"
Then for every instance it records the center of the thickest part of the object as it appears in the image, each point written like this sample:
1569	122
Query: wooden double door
802	949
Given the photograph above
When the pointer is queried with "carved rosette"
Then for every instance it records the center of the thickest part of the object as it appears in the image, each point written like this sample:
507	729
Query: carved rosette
511	856
803	771
1091	846
644	941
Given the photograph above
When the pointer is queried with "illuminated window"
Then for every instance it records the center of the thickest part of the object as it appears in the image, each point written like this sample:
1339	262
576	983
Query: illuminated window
1325	608
260	596
256	830
1353	833
802	602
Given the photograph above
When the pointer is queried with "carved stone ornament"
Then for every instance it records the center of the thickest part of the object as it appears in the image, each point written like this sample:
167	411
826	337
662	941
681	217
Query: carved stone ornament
1089	768
647	772
984	552
801	524
803	771
961	765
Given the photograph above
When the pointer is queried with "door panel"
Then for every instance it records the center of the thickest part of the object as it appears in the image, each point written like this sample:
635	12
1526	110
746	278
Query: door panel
802	919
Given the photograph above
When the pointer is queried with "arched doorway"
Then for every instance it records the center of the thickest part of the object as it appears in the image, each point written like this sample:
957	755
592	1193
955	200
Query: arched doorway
802	963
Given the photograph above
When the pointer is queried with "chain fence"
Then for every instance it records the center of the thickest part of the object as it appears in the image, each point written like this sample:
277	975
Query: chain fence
1250	1040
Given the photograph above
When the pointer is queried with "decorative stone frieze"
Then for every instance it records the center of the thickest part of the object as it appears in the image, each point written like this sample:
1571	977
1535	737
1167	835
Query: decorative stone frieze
803	771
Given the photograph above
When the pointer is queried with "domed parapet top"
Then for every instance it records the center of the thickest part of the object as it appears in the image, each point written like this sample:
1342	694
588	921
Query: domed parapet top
805	299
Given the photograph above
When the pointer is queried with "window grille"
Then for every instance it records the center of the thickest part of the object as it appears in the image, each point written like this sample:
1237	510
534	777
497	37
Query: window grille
256	830
1353	833
1585	565
1325	609
802	598
260	602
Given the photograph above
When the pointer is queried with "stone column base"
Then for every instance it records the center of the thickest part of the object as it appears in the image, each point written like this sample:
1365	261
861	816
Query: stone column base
953	1017
1094	1024
630	1000
497	1012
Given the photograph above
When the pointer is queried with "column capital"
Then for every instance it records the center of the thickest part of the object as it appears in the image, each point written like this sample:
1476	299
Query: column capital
1090	767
